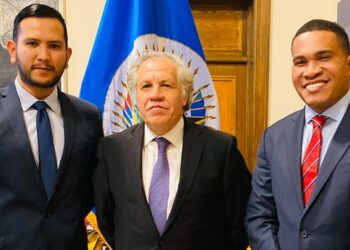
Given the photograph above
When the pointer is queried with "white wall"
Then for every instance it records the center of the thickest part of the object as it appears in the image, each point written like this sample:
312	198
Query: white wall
83	17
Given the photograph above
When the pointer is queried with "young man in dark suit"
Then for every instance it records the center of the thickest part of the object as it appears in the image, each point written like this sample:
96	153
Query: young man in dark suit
48	141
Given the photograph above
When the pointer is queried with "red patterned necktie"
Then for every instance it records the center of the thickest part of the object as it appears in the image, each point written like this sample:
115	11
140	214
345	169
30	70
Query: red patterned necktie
311	160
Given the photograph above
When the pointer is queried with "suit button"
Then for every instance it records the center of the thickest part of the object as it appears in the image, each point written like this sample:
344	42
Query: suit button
160	244
304	234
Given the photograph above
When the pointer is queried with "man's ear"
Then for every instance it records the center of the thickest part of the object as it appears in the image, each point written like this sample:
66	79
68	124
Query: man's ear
184	102
69	53
11	48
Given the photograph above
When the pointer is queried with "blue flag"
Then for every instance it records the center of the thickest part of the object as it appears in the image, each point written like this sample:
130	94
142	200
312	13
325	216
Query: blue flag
129	28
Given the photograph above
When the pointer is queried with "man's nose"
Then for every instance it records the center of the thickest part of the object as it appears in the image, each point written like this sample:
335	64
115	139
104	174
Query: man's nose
43	53
312	70
156	92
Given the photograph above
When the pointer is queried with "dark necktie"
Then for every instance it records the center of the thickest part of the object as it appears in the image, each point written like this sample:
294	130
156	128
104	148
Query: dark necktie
47	156
311	160
159	189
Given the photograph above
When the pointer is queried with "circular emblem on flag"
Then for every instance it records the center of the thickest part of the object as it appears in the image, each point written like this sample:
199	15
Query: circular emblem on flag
120	111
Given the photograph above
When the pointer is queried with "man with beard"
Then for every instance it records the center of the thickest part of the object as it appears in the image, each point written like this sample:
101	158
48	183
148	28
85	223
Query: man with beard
48	141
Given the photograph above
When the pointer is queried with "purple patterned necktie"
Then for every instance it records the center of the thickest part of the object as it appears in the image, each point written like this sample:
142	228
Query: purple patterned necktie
159	189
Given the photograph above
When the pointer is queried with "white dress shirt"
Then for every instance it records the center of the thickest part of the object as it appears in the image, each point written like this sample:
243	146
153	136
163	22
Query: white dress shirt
55	117
335	115
174	151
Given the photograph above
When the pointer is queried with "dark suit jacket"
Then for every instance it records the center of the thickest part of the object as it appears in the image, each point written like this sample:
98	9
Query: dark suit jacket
276	217
209	207
27	219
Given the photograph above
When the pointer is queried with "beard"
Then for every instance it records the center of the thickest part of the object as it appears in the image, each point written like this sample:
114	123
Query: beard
27	79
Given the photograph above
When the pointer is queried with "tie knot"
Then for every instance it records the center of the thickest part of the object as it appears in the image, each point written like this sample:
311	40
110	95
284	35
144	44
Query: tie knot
319	120
39	105
162	144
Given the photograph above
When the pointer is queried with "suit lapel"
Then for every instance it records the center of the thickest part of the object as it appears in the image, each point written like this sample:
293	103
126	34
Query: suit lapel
12	110
135	142
69	124
294	141
193	144
338	146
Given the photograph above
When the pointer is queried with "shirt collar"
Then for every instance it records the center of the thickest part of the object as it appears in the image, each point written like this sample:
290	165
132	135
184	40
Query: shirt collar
175	135
336	112
27	100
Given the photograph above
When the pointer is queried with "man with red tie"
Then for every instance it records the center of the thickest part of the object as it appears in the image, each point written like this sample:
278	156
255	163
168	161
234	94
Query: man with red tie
301	184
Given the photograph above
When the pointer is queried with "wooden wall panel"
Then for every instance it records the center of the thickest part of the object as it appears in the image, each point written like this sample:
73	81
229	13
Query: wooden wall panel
225	87
239	125
220	30
235	41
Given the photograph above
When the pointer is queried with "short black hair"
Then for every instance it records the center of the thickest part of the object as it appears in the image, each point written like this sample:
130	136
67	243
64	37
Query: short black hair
40	11
320	24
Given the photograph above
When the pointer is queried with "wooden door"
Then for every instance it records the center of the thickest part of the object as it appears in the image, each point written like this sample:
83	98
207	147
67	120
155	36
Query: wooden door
235	40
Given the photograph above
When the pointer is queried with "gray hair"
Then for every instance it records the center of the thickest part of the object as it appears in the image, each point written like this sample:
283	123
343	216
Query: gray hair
184	75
